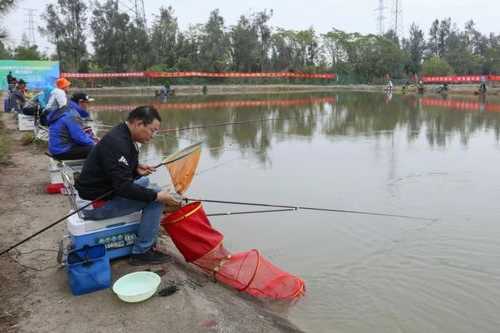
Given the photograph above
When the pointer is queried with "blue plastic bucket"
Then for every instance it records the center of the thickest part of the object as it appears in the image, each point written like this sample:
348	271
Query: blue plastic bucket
88	269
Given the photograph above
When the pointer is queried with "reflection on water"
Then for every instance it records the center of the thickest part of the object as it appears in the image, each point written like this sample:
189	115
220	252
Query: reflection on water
345	114
405	155
217	104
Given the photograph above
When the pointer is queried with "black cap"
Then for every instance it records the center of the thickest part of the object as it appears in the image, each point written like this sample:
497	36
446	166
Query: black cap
21	82
81	97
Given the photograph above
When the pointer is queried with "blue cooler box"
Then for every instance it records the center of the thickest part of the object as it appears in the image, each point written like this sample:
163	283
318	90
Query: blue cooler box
117	234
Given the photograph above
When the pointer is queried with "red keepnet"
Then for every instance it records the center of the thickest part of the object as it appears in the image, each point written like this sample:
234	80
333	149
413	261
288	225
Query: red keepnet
248	271
191	231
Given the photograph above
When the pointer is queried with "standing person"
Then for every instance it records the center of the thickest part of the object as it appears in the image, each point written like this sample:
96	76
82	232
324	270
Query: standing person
58	96
482	85
11	81
389	86
163	94
9	77
113	167
420	86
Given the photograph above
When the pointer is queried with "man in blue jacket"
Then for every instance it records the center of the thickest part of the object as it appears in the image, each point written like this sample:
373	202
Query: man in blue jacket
67	137
79	102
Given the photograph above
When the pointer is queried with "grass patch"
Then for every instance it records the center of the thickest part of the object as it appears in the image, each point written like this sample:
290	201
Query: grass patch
27	139
4	144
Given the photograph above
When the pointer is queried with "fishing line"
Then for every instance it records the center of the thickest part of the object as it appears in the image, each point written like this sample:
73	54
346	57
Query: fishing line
219	165
315	209
218	125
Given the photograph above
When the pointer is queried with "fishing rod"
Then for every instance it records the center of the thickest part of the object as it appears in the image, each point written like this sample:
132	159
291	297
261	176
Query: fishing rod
217	125
252	212
314	209
56	222
177	155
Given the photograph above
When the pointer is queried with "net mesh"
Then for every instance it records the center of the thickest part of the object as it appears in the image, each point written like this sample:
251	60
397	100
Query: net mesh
251	272
182	166
248	272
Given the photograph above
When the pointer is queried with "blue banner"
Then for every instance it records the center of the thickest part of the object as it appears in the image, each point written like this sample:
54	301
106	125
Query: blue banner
37	74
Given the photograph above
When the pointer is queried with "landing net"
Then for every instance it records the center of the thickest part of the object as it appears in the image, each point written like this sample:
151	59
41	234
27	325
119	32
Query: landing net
182	166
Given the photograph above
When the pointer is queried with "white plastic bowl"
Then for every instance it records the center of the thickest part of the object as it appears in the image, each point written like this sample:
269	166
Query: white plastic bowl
136	287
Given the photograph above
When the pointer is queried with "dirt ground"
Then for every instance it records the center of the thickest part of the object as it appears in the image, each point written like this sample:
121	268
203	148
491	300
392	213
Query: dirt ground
34	290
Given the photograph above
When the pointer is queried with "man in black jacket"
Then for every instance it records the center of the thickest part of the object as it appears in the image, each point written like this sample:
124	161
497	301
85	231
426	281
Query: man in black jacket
113	167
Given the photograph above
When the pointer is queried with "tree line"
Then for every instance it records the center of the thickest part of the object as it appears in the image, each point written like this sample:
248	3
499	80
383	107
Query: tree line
122	43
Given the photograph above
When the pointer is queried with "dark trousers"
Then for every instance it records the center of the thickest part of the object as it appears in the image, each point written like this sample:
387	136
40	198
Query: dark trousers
75	153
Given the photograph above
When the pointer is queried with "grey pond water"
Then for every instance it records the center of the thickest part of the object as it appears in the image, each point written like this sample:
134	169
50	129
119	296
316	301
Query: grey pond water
428	156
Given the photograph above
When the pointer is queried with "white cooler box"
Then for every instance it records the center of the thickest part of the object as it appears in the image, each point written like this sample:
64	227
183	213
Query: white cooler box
25	123
70	167
117	234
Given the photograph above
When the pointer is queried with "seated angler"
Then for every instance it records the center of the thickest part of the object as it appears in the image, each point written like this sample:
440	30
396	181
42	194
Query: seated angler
112	171
68	138
79	102
17	98
57	98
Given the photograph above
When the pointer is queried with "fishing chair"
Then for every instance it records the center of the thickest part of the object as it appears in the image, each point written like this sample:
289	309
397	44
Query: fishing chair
70	191
40	131
69	173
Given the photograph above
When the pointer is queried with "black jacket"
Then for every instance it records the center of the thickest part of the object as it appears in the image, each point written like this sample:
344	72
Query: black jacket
111	165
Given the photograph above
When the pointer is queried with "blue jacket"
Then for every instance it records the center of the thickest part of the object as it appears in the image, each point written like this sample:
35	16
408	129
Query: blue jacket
66	131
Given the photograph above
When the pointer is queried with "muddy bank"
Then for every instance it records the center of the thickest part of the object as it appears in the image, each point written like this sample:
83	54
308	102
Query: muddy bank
34	290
